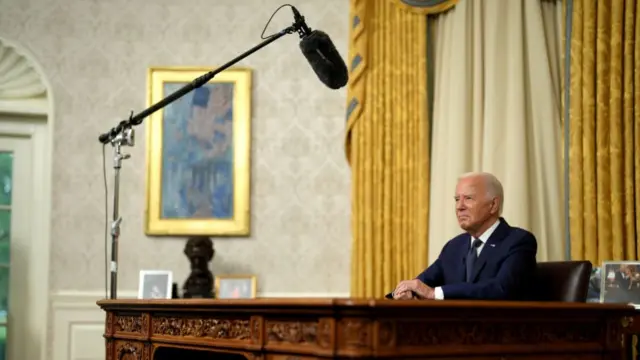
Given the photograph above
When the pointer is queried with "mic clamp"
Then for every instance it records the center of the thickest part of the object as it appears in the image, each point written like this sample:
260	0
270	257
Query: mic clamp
121	133
126	137
299	24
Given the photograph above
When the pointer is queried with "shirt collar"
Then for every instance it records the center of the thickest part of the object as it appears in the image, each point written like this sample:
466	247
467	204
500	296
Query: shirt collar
487	234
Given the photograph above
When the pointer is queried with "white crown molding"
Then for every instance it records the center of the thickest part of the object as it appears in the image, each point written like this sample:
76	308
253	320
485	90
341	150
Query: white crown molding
76	299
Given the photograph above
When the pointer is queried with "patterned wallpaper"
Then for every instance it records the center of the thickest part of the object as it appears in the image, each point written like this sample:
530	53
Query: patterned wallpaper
96	54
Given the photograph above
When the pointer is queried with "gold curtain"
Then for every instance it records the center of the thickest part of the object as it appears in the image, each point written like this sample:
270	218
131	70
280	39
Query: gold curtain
604	128
387	142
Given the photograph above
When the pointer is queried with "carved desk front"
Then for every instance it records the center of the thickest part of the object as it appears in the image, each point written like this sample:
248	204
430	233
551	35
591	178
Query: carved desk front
278	329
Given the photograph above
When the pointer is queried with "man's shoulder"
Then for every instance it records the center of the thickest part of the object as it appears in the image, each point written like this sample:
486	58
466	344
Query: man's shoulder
520	234
519	238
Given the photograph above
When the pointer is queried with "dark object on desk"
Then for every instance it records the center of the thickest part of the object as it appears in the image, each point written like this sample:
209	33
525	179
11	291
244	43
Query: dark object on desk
363	329
174	291
199	284
390	295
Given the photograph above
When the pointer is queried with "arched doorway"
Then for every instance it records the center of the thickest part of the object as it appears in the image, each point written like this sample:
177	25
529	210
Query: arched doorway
26	118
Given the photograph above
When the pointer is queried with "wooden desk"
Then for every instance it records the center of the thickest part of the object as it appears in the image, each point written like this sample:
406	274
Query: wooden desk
632	332
279	329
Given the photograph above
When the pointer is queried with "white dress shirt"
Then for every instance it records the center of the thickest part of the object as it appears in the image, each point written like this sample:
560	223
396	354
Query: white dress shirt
484	237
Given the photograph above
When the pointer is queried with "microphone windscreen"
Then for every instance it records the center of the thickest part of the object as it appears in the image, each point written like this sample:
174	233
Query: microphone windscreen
324	59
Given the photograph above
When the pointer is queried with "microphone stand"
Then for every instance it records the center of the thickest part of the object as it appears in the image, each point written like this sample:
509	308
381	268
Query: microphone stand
124	138
123	135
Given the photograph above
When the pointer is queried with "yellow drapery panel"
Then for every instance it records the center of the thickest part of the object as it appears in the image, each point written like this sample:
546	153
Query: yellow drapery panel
387	145
604	125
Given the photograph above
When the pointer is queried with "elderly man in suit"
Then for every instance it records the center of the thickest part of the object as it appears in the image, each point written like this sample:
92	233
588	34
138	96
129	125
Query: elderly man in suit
491	260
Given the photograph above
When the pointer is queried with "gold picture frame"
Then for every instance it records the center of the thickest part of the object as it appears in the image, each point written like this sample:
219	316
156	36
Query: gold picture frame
205	189
244	285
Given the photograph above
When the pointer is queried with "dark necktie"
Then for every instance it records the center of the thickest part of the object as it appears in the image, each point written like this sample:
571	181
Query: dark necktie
472	255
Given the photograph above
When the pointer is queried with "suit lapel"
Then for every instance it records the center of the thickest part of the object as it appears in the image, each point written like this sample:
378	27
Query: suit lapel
489	248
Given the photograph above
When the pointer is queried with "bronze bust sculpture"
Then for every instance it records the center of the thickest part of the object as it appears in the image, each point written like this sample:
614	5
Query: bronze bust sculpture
199	250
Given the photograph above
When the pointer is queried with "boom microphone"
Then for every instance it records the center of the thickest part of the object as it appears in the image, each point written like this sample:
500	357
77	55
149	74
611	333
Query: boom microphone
321	54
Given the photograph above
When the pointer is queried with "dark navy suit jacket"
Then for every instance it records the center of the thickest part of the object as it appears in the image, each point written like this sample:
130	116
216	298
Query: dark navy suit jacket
504	269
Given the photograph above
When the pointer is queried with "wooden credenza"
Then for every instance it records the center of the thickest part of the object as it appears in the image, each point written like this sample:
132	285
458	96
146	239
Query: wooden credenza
279	329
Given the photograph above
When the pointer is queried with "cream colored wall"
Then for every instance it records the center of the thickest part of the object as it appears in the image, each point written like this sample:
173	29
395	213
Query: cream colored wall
96	54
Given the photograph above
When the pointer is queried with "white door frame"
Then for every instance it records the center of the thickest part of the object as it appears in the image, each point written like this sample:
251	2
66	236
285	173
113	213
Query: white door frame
26	96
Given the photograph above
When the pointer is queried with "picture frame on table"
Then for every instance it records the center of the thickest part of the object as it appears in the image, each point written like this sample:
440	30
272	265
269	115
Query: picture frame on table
620	282
235	286
155	284
198	154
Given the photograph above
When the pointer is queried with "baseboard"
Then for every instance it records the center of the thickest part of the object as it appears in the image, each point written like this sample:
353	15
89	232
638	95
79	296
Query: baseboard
75	299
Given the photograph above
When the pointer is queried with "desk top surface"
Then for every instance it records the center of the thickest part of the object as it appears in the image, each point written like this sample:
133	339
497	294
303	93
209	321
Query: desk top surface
352	304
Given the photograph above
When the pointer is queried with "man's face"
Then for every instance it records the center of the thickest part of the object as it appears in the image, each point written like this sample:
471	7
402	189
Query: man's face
473	205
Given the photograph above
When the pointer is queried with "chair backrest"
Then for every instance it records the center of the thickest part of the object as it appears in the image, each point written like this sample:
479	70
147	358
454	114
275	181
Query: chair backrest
562	281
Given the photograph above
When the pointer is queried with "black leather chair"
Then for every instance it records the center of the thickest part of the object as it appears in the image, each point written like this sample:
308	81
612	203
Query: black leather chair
566	281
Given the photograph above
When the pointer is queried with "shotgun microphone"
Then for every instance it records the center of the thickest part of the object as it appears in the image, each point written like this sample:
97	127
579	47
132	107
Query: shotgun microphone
321	54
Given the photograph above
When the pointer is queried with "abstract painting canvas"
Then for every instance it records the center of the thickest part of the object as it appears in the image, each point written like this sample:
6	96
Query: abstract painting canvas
198	159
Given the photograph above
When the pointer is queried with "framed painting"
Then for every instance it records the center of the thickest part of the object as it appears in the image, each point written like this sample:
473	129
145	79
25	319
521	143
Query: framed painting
198	154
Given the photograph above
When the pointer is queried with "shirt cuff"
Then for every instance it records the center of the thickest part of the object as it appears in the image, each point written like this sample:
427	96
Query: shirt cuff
438	294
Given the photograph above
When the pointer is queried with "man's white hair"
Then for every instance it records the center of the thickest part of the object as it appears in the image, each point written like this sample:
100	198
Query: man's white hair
492	184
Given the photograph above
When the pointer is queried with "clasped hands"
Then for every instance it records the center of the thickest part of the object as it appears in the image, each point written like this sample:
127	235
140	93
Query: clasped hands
413	289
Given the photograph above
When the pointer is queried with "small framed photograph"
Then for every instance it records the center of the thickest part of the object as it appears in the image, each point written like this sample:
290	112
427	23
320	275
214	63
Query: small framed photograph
235	287
620	282
155	284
